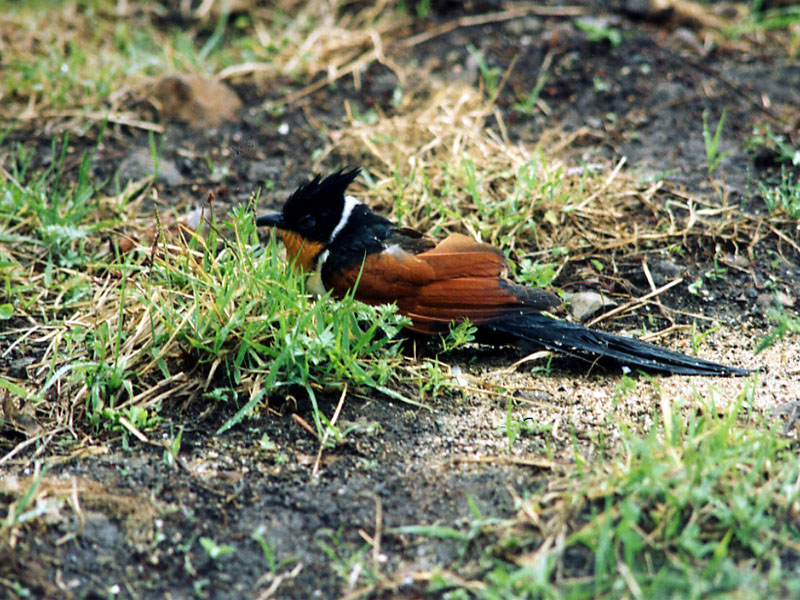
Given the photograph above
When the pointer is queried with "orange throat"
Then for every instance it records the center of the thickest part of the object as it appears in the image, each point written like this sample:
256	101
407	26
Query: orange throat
304	252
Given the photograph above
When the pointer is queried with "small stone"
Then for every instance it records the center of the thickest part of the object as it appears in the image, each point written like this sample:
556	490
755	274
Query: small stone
664	271
264	170
784	299
195	100
141	163
765	302
769	300
585	304
738	260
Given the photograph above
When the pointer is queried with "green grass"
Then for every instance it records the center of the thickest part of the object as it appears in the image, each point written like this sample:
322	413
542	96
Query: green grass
599	32
252	311
68	73
701	504
87	53
80	56
350	561
760	19
490	76
527	102
54	224
220	300
711	140
784	324
784	198
785	152
215	550
505	208
274	564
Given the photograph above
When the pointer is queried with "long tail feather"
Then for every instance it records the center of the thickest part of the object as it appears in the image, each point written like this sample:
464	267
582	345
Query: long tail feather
569	338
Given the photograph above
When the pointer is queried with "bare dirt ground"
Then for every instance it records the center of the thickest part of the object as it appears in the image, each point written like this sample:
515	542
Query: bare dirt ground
133	532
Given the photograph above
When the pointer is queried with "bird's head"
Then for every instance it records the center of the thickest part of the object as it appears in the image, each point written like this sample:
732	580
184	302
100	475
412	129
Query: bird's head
315	209
310	217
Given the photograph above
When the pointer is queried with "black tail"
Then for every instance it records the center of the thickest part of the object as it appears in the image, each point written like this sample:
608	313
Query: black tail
576	340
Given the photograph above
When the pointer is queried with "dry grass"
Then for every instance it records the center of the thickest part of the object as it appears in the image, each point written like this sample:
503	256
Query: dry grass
320	39
442	161
141	320
444	157
58	85
67	504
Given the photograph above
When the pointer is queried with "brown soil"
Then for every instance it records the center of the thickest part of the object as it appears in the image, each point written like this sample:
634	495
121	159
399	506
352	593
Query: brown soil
135	532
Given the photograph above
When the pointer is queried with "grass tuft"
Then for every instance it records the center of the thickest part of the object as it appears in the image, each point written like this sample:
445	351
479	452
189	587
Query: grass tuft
212	312
703	502
784	198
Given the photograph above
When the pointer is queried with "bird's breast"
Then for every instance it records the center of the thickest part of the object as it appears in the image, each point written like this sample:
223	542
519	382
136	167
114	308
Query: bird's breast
302	251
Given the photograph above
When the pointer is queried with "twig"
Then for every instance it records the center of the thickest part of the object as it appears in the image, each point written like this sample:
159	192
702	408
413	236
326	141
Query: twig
162	389
337	72
505	460
659	334
525	508
20	339
336	413
603	187
22	445
376	545
530	357
784	237
506	15
304	424
652	284
278	581
111	118
133	430
635	303
502	84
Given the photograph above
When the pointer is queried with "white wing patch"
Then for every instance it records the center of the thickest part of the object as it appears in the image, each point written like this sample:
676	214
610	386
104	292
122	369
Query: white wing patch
396	251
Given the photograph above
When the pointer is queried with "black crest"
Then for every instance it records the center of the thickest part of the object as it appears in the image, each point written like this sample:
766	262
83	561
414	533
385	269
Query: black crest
315	208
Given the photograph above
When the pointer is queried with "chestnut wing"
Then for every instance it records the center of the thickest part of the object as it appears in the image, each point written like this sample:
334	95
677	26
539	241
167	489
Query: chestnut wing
457	279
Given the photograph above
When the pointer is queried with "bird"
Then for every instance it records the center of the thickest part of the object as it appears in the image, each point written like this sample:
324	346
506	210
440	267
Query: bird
343	245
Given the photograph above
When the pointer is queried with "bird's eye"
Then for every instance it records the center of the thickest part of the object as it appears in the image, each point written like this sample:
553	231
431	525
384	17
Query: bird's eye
307	222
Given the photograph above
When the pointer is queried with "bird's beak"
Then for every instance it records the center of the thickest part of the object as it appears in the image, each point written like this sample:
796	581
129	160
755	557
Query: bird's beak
274	219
